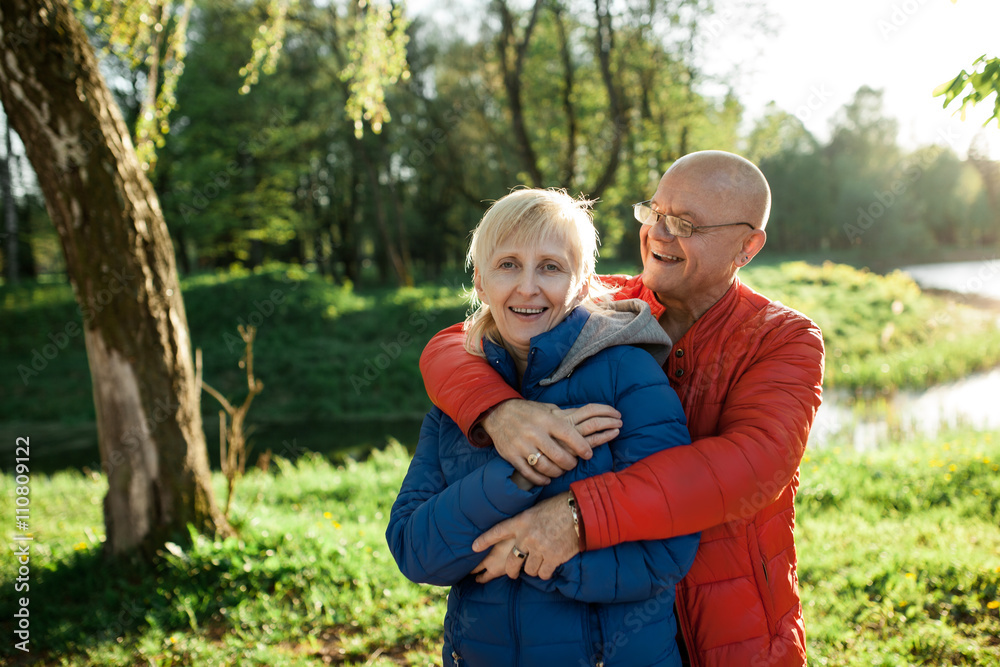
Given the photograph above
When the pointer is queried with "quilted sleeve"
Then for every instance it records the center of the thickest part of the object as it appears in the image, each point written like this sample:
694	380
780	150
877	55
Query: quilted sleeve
761	437
463	386
432	525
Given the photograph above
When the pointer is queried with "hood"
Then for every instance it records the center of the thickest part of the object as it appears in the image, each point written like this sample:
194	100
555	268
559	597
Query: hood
627	322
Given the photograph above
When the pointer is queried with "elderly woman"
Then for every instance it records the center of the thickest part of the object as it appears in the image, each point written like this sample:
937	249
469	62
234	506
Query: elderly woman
541	323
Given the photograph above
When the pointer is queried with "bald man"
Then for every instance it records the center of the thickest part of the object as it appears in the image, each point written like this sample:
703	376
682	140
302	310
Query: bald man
749	373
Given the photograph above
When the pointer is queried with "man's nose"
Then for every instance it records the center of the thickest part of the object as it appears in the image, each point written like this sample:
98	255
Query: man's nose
660	232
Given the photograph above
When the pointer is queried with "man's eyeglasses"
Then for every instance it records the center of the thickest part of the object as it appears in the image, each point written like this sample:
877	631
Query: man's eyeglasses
676	226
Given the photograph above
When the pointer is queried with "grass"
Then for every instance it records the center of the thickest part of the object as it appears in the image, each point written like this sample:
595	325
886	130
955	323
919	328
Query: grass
899	564
899	553
328	352
882	333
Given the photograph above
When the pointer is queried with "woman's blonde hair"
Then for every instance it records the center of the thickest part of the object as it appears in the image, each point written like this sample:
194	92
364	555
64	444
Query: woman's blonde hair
526	217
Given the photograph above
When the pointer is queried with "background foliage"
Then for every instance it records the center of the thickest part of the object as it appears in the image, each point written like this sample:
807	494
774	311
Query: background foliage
592	97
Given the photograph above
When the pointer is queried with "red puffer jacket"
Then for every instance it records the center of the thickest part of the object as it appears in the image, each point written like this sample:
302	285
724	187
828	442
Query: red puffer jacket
749	375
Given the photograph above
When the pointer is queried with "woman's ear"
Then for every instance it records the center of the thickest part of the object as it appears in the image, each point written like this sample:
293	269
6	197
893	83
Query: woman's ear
477	280
584	289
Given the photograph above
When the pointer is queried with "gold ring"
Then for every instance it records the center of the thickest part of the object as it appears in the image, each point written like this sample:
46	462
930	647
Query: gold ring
533	459
520	554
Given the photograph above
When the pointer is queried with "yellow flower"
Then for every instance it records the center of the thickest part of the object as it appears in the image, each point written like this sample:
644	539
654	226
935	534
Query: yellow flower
947	477
336	525
953	467
173	640
992	604
986	459
911	575
80	546
327	515
903	603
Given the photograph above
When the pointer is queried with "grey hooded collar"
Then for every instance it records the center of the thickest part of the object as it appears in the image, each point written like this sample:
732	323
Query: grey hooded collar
627	322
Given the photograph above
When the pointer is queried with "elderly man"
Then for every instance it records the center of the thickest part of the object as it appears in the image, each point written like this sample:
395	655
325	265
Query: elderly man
749	373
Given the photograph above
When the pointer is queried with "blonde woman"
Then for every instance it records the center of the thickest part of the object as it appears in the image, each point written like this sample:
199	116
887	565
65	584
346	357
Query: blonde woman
540	320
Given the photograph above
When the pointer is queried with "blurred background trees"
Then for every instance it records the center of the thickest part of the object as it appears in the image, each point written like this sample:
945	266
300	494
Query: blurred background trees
595	97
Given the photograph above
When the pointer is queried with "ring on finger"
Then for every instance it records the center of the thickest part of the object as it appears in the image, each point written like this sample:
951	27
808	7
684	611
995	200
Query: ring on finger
520	554
533	458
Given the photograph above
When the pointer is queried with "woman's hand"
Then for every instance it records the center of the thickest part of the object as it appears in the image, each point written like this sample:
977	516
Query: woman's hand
495	564
522	429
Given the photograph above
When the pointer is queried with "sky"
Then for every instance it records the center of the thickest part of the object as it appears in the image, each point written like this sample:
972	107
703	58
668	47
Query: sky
823	52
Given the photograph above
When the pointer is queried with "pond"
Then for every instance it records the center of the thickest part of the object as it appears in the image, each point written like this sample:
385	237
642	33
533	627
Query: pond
972	401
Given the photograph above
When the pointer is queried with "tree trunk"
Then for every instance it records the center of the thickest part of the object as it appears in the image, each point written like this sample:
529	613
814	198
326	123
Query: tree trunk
120	262
10	211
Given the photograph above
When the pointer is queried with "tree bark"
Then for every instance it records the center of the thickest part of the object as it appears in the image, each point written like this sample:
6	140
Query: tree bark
10	211
120	262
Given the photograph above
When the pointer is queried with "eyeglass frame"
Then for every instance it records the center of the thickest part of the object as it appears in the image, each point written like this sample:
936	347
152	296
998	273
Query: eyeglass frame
692	228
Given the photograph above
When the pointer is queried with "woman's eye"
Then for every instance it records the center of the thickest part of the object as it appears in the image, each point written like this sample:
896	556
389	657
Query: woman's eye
552	267
507	265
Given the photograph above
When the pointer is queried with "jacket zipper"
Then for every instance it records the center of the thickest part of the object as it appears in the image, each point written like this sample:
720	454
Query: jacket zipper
515	620
762	580
597	634
680	607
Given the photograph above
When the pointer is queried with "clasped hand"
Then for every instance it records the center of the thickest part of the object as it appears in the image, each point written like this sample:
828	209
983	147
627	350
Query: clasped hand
545	532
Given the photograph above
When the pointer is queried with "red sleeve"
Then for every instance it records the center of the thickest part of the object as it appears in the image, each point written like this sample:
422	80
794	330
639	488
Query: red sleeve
462	385
762	435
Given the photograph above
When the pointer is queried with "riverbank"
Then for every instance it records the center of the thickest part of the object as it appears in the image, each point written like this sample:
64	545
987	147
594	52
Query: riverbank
340	365
899	564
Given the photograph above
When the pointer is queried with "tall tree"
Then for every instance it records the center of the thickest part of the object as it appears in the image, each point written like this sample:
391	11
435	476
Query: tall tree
9	209
121	264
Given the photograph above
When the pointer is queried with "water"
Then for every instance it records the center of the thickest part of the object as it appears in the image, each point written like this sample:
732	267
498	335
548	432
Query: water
975	278
971	402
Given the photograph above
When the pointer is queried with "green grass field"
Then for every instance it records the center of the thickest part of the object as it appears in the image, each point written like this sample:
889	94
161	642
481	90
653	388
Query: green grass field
899	564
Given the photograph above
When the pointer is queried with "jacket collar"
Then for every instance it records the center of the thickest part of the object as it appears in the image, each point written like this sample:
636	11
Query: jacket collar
545	353
716	316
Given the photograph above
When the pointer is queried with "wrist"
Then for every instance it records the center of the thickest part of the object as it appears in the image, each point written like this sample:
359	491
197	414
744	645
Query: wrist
478	434
574	509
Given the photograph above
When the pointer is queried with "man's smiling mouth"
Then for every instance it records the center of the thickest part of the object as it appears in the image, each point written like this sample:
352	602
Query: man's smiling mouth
666	258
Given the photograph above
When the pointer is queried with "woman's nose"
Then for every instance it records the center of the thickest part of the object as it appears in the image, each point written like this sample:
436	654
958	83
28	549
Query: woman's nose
528	284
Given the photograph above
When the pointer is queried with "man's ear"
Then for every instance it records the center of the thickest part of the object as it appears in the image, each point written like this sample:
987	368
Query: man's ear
751	246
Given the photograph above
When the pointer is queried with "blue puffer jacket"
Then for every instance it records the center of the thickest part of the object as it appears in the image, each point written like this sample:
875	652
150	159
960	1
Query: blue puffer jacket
607	607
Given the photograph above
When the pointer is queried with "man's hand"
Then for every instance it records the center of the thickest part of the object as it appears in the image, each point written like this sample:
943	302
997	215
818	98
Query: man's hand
545	532
521	428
